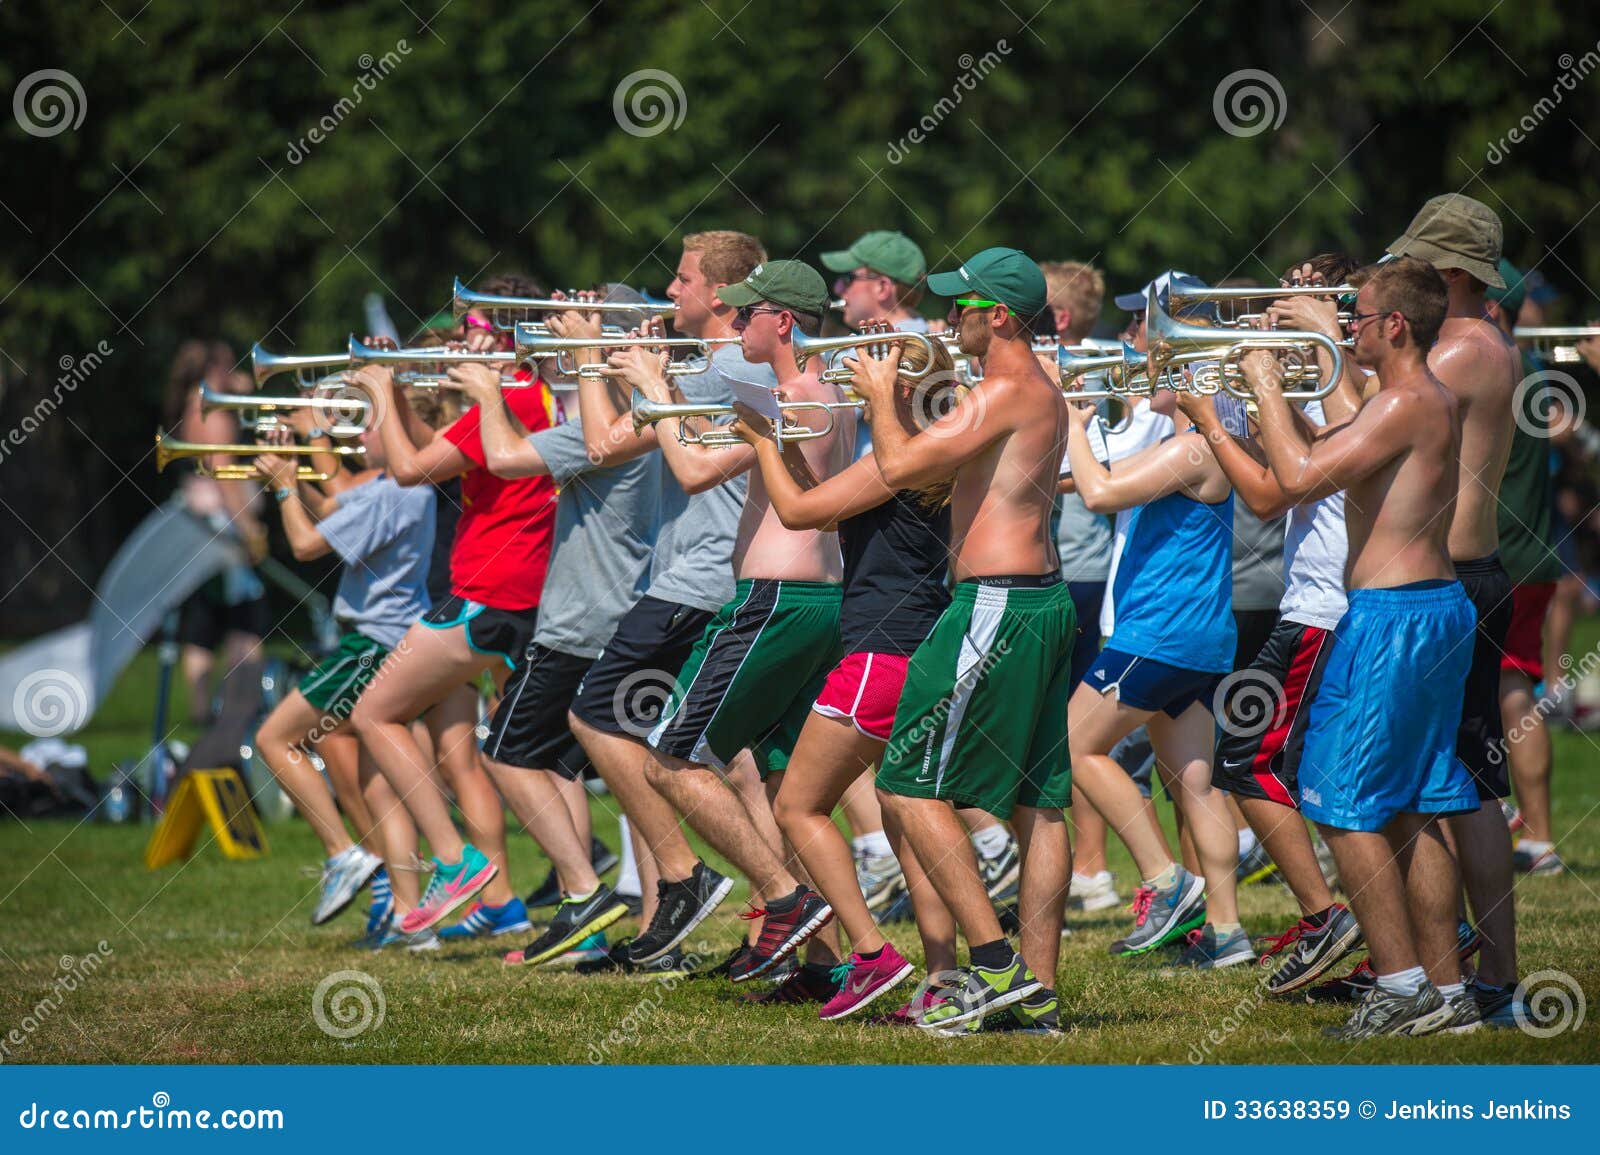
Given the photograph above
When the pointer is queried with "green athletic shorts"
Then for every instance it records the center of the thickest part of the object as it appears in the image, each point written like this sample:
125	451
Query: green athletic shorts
982	720
753	675
335	684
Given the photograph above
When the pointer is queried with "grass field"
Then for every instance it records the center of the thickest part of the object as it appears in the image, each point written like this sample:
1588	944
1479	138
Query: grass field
216	962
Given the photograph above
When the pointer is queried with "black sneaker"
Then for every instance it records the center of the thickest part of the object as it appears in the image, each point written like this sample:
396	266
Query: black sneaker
575	921
616	962
1382	1013
1316	950
634	903
1346	988
681	907
1001	872
811	983
897	909
601	856
547	893
720	971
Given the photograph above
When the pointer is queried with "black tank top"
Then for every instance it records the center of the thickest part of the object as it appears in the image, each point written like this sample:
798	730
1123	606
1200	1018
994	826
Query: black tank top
896	562
446	512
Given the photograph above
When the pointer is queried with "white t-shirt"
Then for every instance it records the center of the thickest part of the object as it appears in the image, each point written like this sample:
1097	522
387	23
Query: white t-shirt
1315	546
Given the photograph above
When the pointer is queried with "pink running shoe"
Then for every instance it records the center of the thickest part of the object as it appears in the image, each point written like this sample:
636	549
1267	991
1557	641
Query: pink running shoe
911	1013
862	980
450	888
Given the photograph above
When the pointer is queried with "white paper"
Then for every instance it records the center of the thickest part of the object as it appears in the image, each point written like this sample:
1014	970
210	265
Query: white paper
758	397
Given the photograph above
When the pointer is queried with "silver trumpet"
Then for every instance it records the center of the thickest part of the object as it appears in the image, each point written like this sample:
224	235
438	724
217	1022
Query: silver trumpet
257	412
533	341
807	347
1557	344
306	367
648	412
1169	339
465	300
1259	293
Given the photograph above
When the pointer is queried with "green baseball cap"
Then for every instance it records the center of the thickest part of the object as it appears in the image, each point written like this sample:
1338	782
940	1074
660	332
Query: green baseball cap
1455	232
1515	291
1004	275
791	284
895	255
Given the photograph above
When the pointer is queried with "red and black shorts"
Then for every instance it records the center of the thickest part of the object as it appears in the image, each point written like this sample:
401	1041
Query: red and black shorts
1266	706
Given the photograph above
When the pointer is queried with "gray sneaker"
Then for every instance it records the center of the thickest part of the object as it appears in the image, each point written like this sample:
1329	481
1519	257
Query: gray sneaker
1316	951
879	876
1162	915
425	939
1001	872
1205	952
1465	1017
1382	1013
343	876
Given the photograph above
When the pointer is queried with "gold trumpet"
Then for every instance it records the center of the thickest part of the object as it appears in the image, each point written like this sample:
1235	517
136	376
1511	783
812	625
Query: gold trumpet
465	300
1170	338
648	412
257	411
170	449
1557	344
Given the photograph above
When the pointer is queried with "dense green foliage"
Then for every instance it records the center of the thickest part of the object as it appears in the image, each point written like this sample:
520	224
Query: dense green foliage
191	200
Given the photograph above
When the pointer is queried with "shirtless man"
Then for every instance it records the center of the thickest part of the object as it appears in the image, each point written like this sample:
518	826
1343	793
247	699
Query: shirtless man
982	720
1479	364
754	673
1378	780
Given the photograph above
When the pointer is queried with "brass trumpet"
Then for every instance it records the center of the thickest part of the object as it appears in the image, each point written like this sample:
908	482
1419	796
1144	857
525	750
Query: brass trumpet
260	412
1557	344
533	341
648	412
1169	338
170	449
465	300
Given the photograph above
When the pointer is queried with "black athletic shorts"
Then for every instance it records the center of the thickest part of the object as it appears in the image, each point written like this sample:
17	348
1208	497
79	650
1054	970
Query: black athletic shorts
1253	628
633	678
1480	742
1264	715
206	619
503	634
529	727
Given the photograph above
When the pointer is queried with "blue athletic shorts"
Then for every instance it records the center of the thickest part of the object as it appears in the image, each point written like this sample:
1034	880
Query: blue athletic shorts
1146	684
1382	736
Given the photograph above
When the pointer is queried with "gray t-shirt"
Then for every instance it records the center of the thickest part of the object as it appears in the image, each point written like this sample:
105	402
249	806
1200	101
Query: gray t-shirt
605	530
1257	560
695	533
1083	540
383	532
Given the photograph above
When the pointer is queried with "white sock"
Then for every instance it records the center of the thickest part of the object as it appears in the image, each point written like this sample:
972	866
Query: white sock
1451	990
873	844
1406	982
1247	841
628	876
581	897
1535	847
991	840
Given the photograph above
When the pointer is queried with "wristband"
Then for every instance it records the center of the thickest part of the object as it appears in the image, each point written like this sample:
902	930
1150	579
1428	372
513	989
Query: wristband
283	494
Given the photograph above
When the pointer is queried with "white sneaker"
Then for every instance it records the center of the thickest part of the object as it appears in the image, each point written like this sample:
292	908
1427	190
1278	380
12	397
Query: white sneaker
343	876
1093	891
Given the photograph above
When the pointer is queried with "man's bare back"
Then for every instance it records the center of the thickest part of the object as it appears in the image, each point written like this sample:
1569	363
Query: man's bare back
1479	365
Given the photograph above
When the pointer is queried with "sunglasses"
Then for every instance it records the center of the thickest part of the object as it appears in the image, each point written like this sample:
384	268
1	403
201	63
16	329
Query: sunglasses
745	312
974	303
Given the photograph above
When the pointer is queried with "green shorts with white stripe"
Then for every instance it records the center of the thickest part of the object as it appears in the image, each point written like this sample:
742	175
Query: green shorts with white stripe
982	720
335	684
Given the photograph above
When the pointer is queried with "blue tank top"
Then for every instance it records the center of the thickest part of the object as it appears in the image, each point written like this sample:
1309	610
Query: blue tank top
1174	587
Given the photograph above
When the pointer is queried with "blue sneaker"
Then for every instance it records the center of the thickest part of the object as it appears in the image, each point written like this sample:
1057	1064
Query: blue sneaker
590	949
379	915
488	921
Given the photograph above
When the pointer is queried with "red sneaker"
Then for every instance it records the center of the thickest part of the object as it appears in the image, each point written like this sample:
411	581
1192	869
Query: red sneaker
781	933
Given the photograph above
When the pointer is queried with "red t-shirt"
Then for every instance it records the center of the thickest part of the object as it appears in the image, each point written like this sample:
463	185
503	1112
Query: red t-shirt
502	545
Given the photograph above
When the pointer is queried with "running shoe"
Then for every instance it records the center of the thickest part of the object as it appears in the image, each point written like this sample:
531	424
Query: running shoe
1383	1013
1347	988
601	857
1001	872
982	992
575	920
811	983
909	1014
1325	860
450	888
343	876
616	962
1530	857
1317	949
488	921
1255	865
591	949
1465	1014
879	876
1092	892
1468	940
379	915
634	903
860	981
1038	1014
1162	915
720	971
680	907
782	931
1513	817
897	909
548	893
422	940
1206	952
1498	1007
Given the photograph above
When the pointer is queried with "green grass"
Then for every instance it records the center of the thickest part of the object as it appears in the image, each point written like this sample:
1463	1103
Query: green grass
215	962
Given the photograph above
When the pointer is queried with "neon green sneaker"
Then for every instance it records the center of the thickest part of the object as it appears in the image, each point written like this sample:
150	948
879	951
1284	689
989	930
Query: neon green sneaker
982	992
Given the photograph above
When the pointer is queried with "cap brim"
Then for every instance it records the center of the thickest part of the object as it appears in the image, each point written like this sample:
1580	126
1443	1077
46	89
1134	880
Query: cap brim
1408	246
839	261
738	295
1131	302
948	285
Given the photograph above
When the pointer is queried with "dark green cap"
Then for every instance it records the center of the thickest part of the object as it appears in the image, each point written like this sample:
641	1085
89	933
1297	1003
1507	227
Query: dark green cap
791	284
895	255
1004	275
1515	291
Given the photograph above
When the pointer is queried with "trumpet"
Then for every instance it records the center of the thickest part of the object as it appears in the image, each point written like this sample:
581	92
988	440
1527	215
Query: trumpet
807	347
533	341
265	365
260	412
465	300
1557	344
170	449
648	412
1260	293
1168	338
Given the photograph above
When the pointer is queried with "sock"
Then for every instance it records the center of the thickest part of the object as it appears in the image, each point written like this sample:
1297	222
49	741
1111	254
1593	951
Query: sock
628	876
1534	847
874	843
1406	982
788	902
1320	919
1247	841
869	957
992	956
380	885
991	841
1451	990
819	970
576	897
1166	880
1223	929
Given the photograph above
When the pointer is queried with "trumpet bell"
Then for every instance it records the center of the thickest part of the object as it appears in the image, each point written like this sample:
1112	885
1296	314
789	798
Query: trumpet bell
806	347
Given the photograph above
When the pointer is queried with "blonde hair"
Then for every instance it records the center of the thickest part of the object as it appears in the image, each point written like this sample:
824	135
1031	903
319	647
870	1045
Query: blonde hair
942	392
726	257
1080	287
